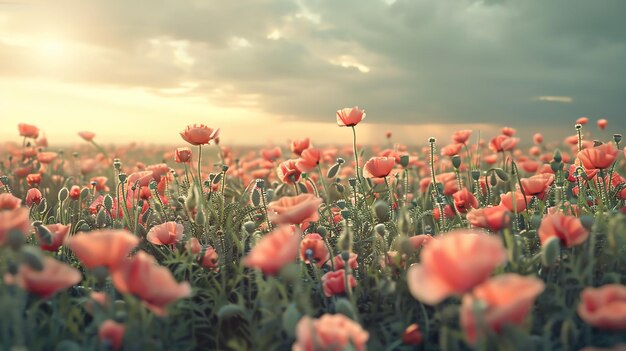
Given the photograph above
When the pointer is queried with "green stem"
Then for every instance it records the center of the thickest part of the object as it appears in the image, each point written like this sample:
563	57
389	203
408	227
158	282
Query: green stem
356	154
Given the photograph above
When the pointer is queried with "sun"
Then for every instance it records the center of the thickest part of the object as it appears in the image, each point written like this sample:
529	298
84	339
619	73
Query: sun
52	48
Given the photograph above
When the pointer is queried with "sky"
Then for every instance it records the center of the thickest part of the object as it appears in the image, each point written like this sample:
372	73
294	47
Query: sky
273	70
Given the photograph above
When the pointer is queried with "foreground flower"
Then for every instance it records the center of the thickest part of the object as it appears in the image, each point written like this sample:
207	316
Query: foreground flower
412	335
10	220
454	264
112	333
199	134
313	250
464	200
167	233
604	307
350	117
378	167
54	277
58	233
568	229
288	172
599	157
274	250
331	333
334	282
309	159
153	284
295	209
505	299
9	202
506	200
106	248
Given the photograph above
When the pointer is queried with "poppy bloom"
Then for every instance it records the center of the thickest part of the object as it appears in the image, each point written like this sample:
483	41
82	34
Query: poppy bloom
112	333
46	157
603	307
339	263
100	183
448	212
599	157
210	258
506	299
274	250
16	219
461	136
350	117
288	172
503	143
153	284
329	332
537	185
493	218
451	150
538	138
295	209
506	200
167	233
464	200
313	249
568	229
309	159
582	120
334	282
272	154
54	277
105	247
33	196
453	264
419	241
28	130
58	234
182	155
199	134
508	131
297	146
412	335
9	202
193	246
379	167
602	123
87	136
33	179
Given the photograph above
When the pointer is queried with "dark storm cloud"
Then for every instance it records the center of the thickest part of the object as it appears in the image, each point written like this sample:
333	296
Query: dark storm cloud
404	61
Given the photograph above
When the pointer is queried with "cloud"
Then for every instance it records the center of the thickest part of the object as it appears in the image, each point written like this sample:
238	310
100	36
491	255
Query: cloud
405	61
561	99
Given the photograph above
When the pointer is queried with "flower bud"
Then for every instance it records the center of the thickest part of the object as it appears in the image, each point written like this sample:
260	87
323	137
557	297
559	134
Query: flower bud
31	256
341	204
290	319
352	182
493	180
249	227
587	221
557	156
344	306
108	202
332	171
84	193
380	229
321	230
381	210
15	239
550	251
502	174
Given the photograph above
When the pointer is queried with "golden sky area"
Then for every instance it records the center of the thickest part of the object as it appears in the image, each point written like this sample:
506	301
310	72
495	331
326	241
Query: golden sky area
282	69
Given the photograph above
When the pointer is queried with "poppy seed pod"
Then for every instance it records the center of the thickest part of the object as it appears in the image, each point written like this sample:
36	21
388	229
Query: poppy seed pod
617	138
475	174
404	161
557	156
380	229
587	221
456	161
381	209
550	251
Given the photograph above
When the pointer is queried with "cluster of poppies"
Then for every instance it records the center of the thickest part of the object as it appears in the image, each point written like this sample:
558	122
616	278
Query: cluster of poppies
484	228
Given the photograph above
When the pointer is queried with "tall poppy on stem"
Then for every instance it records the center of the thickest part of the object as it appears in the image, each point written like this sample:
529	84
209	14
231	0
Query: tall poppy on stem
350	117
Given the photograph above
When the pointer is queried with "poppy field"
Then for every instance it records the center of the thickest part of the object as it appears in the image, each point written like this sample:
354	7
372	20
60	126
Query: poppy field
477	242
